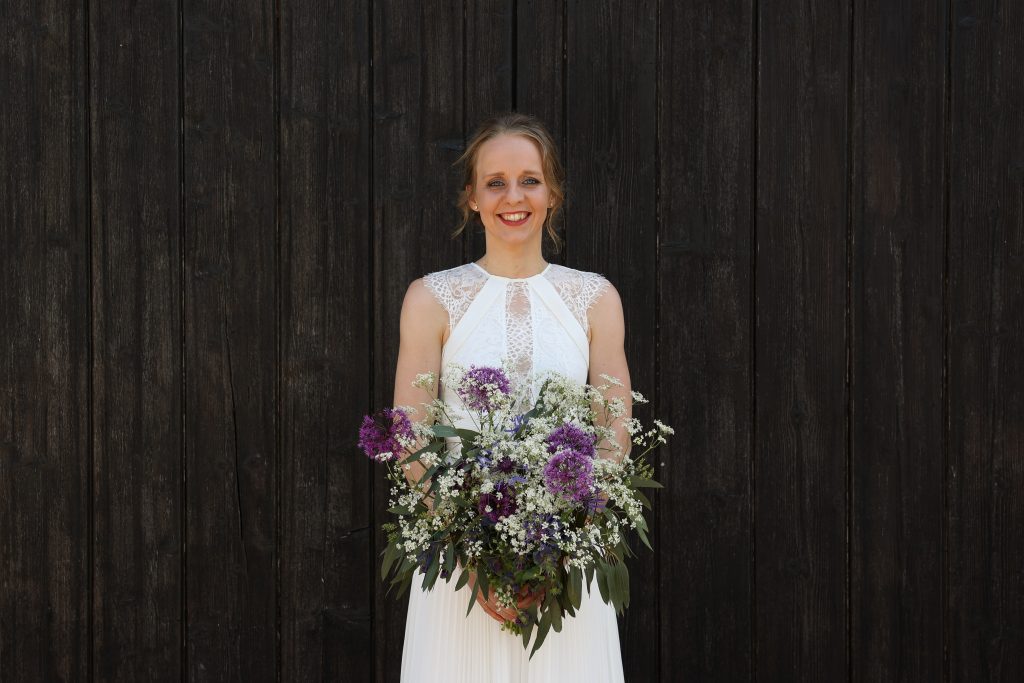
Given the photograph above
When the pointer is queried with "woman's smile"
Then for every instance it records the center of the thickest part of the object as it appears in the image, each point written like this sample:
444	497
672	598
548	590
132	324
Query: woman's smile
514	218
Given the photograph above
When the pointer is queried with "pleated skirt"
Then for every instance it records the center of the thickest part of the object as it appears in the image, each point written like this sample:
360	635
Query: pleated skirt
443	644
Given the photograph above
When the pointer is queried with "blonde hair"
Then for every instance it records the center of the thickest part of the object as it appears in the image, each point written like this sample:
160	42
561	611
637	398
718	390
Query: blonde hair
530	127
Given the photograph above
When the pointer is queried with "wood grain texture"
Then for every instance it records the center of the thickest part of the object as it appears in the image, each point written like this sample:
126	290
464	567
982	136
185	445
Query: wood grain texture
419	71
539	80
985	341
45	477
210	214
705	344
488	89
897	154
137	373
800	397
230	317
611	226
327	563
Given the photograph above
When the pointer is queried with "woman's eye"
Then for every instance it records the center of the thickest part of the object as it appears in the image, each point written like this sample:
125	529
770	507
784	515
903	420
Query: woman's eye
531	181
495	183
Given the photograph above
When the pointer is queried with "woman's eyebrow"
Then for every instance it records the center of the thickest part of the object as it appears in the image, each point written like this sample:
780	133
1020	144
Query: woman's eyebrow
497	173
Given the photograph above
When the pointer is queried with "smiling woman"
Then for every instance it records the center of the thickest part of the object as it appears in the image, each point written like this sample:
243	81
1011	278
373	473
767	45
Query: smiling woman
511	166
511	309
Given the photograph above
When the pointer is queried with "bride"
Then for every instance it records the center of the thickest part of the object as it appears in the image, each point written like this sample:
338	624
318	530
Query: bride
510	304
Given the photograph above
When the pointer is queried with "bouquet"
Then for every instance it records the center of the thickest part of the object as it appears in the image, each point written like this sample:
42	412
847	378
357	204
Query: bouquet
526	501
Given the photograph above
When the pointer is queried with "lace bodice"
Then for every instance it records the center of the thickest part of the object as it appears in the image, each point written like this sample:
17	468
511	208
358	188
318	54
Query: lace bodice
531	325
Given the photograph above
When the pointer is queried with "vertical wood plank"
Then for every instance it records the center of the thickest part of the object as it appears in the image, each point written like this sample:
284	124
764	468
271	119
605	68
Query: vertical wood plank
489	86
898	147
44	344
985	396
610	98
539	83
705	351
800	491
230	349
134	100
419	75
326	558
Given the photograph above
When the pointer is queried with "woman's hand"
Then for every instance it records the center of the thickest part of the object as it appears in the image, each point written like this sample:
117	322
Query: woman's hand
490	605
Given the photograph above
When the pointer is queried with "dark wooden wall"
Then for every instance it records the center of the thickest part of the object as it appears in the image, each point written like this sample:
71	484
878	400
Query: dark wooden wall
814	213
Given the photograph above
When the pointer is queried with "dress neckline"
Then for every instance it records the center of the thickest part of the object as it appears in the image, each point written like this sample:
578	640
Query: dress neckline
511	279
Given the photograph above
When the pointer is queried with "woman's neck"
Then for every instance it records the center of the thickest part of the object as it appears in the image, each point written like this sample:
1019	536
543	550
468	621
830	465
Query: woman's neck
512	266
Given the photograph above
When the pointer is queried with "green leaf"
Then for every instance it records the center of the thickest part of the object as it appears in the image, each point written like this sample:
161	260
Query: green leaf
472	596
643	537
642	498
428	474
574	587
443	430
590	577
435	567
556	616
542	632
463	579
602	582
484	586
449	560
618	577
399	510
467	434
642	482
391	555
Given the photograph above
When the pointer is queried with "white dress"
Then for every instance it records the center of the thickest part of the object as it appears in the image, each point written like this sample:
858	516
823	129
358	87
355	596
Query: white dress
539	323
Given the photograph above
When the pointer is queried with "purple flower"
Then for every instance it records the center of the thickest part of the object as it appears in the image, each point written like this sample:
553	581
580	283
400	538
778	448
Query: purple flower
502	506
379	434
568	475
479	385
569	437
505	465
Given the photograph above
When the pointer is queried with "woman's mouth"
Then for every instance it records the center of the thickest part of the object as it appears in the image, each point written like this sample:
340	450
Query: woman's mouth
514	218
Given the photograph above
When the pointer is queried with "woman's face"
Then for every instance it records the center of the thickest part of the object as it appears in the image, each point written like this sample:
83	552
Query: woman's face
510	193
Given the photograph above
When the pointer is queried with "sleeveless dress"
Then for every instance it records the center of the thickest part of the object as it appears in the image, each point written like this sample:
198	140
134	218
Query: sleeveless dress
536	324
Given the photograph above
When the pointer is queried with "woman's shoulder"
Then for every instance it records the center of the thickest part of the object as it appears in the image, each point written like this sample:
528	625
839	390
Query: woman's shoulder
581	290
584	287
452	288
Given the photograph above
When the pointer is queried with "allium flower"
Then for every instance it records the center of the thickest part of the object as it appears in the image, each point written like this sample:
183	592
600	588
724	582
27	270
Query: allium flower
500	506
381	434
481	388
505	465
569	437
568	475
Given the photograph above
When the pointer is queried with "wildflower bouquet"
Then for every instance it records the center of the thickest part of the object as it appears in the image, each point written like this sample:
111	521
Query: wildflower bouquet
523	500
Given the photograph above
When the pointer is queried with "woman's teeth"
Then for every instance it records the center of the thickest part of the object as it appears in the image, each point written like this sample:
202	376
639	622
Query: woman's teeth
514	217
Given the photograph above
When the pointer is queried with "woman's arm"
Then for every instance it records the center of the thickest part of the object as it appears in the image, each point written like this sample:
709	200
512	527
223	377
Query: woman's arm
608	356
421	332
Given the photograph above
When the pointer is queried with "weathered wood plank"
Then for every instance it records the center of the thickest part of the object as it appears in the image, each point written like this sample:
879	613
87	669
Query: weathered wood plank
985	341
325	331
45	477
898	146
800	447
612	226
135	97
418	133
230	341
705	345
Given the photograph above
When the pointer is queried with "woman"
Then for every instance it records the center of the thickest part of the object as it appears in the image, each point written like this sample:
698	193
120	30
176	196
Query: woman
538	316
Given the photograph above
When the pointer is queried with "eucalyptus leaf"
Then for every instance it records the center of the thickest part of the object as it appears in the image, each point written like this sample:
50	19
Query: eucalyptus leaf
463	579
602	581
642	482
542	632
574	587
443	430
